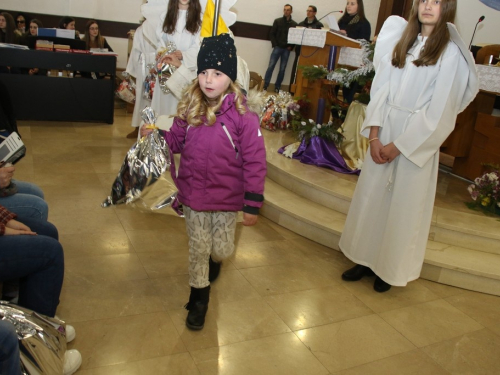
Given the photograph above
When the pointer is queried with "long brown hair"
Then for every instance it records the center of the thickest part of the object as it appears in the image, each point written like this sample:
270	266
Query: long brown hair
195	109
360	13
193	22
99	39
8	36
436	42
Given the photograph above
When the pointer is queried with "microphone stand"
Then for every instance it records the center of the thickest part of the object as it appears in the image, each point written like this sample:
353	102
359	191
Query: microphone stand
474	33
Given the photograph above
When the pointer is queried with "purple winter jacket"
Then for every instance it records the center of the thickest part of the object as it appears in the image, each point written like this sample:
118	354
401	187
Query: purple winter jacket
220	171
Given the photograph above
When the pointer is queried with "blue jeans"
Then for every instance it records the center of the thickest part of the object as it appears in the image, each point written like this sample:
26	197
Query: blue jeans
27	202
37	262
277	53
10	362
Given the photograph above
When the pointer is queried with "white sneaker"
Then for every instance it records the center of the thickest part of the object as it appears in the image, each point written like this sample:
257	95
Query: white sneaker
70	333
72	361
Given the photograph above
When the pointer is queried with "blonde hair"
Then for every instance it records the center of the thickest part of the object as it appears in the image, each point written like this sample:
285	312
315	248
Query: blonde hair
195	109
436	42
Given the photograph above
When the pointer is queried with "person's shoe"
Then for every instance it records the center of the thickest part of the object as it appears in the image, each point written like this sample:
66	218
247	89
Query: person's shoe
72	361
133	134
213	269
70	333
197	306
264	88
357	273
380	285
277	90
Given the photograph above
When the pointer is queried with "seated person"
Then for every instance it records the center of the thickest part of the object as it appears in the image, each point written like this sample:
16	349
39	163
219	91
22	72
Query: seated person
93	37
31	253
10	362
69	23
8	29
26	199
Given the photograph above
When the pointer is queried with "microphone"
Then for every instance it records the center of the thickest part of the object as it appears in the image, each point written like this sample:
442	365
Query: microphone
481	19
333	11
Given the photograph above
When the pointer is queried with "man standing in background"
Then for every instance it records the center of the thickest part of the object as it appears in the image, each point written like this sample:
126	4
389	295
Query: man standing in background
281	48
310	22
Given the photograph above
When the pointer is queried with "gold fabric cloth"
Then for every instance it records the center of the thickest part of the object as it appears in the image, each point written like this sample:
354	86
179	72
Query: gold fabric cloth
354	146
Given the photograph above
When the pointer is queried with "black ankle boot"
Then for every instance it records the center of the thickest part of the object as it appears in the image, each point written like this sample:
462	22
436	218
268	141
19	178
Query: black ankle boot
213	269
357	273
197	306
380	285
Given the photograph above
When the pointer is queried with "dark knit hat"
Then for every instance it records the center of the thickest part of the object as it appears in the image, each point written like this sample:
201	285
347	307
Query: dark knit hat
218	52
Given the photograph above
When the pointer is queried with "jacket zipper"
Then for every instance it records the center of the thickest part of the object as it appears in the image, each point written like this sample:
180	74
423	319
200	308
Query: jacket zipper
230	139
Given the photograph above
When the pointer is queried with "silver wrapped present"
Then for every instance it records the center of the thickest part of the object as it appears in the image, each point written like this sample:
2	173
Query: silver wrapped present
42	339
144	179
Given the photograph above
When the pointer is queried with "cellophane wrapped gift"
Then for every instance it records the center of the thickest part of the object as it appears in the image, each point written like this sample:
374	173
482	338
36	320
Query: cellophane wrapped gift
42	340
144	179
164	71
148	87
275	116
126	90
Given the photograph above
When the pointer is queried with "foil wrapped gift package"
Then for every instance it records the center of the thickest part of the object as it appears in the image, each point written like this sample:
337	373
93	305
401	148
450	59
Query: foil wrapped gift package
144	179
42	340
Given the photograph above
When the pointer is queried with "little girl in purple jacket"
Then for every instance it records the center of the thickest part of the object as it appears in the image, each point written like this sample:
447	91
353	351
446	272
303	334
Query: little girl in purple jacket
222	169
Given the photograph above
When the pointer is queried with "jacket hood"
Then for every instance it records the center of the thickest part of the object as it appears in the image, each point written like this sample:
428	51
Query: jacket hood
254	101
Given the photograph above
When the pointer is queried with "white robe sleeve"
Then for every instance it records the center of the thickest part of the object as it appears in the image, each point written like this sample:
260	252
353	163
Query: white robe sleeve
378	96
133	64
429	128
386	41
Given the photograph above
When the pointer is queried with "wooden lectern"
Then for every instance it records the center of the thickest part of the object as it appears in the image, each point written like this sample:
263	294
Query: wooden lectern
311	55
476	136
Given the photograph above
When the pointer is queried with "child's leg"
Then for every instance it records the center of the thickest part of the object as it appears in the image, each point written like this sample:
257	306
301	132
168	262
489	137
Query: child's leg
223	231
198	226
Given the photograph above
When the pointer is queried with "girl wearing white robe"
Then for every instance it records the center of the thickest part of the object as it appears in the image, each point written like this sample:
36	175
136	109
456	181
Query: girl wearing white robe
416	108
189	45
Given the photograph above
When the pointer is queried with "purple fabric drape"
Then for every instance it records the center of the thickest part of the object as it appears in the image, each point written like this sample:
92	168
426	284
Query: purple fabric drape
321	153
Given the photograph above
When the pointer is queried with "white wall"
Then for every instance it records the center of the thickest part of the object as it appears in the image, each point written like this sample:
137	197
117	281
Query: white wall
255	52
488	31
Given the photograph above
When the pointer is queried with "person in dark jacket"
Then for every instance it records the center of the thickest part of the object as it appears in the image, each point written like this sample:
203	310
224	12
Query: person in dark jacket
354	23
281	48
310	22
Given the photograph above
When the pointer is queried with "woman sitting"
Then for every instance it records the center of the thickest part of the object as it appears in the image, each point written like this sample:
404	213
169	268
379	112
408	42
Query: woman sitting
68	23
93	37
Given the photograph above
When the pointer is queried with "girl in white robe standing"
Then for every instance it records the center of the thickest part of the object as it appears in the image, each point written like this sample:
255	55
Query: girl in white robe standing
424	77
142	55
181	25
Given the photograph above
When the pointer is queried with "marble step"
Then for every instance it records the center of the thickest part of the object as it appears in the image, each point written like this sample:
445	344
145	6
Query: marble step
444	263
331	190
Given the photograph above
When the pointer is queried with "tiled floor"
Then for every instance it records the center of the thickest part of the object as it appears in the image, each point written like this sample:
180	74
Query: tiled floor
279	306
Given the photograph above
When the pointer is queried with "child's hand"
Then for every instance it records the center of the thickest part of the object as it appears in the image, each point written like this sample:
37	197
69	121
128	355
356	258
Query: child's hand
249	219
14	227
145	131
375	151
172	60
6	174
390	152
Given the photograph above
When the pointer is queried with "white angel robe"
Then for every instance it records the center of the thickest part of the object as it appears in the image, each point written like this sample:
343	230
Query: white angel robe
389	219
143	53
189	45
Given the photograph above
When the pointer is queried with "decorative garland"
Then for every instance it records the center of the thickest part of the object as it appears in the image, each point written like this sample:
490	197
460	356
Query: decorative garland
362	75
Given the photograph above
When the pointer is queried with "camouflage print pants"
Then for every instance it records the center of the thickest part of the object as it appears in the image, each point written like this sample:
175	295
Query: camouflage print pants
210	233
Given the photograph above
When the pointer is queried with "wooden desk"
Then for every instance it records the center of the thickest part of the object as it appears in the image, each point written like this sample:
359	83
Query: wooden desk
476	138
55	98
314	55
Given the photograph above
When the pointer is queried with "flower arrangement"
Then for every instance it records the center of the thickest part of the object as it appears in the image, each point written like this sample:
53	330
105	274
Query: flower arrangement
313	72
485	192
306	129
